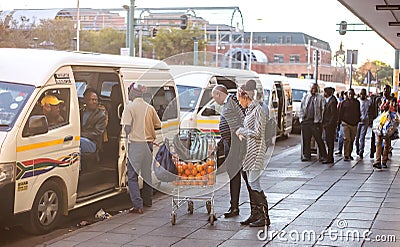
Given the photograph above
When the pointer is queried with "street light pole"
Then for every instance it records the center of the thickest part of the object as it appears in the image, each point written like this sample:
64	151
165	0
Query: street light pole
78	26
132	29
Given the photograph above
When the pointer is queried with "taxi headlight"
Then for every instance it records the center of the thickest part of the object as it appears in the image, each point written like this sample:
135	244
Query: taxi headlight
7	173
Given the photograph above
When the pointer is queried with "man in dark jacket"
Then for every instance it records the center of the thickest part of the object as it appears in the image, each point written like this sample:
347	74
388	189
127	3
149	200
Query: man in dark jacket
93	122
231	119
349	116
329	121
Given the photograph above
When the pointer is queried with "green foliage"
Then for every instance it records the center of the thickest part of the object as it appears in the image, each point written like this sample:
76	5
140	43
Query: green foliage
379	69
107	41
170	42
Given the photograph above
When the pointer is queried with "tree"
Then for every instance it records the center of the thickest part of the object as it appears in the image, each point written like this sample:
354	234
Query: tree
106	40
170	42
60	32
379	69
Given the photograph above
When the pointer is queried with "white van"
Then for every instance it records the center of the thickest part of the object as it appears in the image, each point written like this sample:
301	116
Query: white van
199	111
300	87
40	177
278	96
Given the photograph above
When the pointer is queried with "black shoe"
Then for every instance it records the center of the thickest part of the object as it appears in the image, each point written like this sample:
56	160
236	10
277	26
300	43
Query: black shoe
351	157
328	162
377	165
361	156
371	155
252	218
338	153
232	212
347	158
384	165
304	159
261	222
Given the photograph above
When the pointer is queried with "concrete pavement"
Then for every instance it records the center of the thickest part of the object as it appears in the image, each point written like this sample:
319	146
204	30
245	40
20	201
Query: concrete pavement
311	204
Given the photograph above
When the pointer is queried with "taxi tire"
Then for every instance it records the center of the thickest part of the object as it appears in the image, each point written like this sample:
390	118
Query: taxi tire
50	191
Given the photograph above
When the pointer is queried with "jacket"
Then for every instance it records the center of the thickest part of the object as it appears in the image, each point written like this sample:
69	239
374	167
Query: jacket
319	105
231	117
331	114
94	127
254	131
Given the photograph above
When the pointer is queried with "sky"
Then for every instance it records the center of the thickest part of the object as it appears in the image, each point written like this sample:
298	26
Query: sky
317	18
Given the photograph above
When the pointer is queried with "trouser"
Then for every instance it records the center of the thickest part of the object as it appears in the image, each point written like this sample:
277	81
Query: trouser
308	130
382	153
139	161
360	137
349	134
373	147
330	141
233	168
340	138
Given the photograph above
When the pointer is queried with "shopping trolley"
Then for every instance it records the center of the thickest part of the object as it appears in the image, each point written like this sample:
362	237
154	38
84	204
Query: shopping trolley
196	174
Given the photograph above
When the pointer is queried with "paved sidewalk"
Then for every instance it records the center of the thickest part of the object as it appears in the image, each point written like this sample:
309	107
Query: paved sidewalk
328	205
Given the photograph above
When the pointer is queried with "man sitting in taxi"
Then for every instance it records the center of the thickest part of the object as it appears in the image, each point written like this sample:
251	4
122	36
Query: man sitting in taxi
93	122
51	109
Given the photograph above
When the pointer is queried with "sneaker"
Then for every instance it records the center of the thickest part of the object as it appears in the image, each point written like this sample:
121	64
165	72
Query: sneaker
384	165
377	165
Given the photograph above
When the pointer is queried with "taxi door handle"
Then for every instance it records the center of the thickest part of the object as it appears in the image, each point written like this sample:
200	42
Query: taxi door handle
68	138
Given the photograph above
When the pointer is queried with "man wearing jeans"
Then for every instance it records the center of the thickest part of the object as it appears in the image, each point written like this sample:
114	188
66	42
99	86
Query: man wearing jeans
140	120
362	128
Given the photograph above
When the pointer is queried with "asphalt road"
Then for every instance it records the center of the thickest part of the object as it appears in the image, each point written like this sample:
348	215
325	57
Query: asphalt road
16	237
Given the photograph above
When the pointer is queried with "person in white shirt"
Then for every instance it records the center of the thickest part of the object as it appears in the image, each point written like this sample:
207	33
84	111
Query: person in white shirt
362	127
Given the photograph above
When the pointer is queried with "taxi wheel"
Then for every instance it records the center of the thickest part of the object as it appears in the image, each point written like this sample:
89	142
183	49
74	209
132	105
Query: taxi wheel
46	209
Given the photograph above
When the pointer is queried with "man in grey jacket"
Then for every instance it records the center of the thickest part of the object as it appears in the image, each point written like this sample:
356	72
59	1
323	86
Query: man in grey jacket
311	112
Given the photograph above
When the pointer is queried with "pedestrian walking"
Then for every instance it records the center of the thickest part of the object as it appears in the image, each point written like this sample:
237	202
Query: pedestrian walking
330	122
343	96
310	116
383	142
253	131
365	105
140	120
349	116
231	118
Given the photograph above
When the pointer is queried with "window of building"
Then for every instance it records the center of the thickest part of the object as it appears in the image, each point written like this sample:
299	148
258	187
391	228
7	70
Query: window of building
294	58
288	39
278	58
280	40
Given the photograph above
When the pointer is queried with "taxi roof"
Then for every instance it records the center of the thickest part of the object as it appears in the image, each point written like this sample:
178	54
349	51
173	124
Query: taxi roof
35	66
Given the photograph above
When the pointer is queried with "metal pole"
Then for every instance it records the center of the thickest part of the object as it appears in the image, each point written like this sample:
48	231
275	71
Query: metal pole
251	47
230	49
78	26
132	29
128	26
369	81
141	40
351	69
195	49
216	46
396	72
316	65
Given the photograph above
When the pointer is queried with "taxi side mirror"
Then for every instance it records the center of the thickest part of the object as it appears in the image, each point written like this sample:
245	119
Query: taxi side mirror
37	125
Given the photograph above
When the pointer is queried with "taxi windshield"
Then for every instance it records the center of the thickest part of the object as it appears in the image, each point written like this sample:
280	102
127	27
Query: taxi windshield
13	97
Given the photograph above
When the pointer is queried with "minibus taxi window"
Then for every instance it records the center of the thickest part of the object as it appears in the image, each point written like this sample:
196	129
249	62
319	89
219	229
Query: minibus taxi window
188	97
297	94
13	98
266	96
54	104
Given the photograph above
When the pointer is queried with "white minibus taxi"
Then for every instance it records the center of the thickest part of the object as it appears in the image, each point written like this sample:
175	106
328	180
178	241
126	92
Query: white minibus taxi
278	97
41	173
199	111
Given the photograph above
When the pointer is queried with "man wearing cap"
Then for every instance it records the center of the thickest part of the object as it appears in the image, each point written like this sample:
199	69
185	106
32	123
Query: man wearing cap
51	109
139	120
231	119
93	122
329	121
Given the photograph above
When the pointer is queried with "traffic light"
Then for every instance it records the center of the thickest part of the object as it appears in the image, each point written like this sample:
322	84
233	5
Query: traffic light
342	27
154	32
184	20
